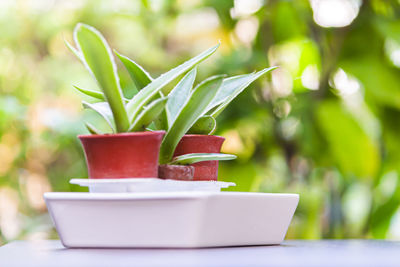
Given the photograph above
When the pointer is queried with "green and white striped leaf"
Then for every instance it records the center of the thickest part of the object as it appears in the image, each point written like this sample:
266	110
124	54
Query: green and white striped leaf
99	61
179	96
149	114
143	97
92	129
95	94
103	109
229	85
140	77
198	157
231	88
204	125
161	122
199	99
75	51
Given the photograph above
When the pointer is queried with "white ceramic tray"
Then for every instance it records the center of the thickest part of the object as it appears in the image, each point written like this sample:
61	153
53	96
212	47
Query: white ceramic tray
171	219
148	185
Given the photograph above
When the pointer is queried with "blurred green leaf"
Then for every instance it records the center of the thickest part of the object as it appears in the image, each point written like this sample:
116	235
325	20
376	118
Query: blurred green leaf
353	150
381	216
287	21
378	79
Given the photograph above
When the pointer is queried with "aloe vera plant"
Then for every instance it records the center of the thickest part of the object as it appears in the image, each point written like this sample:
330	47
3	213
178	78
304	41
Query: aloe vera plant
195	111
123	115
184	110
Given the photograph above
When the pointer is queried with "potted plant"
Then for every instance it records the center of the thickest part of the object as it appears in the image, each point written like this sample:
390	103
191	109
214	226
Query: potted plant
190	122
131	149
185	107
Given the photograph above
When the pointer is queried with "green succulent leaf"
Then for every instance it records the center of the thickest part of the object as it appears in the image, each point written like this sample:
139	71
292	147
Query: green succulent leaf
204	125
100	62
145	95
198	157
179	96
140	77
92	129
231	88
229	85
103	109
152	127
95	94
149	114
161	122
75	51
194	108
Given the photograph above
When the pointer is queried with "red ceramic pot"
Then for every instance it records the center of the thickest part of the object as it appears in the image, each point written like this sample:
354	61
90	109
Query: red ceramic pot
123	155
197	143
176	172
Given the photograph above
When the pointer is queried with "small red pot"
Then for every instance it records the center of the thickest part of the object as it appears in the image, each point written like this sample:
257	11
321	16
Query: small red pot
123	155
197	143
176	172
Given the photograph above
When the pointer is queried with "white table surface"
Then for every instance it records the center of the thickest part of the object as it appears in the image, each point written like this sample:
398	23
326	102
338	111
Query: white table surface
291	253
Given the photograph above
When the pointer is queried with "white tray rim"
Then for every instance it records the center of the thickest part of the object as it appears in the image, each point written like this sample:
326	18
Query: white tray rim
155	195
89	182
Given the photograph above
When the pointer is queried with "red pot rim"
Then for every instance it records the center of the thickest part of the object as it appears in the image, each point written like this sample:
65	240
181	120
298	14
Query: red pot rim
94	136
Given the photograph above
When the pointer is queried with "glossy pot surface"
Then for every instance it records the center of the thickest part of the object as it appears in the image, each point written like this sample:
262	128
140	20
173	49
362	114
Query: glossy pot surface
123	155
197	143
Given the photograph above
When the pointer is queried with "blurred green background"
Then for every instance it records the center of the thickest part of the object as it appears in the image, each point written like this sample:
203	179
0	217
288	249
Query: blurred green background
324	125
